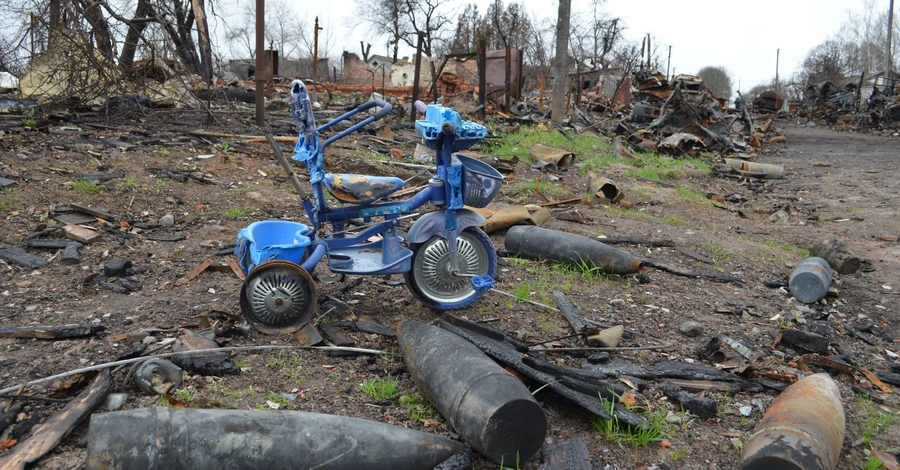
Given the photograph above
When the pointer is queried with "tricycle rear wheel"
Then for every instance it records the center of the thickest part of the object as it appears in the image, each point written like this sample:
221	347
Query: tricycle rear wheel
430	279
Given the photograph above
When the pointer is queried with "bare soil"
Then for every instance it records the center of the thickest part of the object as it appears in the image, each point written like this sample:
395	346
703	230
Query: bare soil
853	196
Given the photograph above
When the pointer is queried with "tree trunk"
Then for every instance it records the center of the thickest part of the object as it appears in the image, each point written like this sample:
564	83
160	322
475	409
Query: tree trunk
135	29
99	28
561	66
203	38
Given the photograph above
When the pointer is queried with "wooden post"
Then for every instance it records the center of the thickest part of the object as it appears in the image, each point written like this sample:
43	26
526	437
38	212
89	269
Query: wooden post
315	59
506	80
203	38
482	76
260	73
415	90
541	95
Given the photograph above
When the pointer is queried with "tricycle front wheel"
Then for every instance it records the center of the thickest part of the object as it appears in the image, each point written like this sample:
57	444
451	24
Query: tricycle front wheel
430	279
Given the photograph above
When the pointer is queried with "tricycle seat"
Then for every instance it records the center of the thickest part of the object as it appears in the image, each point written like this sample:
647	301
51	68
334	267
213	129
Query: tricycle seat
361	189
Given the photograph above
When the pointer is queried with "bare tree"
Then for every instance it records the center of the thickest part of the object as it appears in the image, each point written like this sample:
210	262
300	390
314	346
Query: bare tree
718	80
284	29
561	66
385	18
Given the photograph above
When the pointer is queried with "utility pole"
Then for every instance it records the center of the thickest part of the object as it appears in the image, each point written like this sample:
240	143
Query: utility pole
890	57
668	62
315	59
777	60
561	63
260	72
415	90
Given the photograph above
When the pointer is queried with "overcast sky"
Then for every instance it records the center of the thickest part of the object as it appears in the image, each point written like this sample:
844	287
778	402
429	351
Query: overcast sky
741	36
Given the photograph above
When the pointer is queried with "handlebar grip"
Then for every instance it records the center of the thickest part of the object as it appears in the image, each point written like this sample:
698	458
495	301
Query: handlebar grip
420	106
384	111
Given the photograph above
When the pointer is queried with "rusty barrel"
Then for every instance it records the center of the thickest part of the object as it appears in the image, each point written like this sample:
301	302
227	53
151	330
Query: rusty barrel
543	244
486	405
802	430
196	439
810	280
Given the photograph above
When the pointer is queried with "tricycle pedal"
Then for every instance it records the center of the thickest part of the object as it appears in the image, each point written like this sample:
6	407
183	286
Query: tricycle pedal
482	283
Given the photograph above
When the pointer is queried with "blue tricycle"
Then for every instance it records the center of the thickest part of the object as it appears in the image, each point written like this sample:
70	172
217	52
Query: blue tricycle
447	261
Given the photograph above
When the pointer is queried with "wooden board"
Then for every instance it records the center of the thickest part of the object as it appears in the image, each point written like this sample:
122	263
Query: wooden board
194	272
57	427
81	234
94	212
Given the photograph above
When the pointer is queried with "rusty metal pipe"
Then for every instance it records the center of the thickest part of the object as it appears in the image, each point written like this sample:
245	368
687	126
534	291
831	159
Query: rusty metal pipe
486	405
544	244
759	170
196	439
802	430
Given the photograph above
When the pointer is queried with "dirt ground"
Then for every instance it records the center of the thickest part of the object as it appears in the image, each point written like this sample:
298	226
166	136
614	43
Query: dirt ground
837	184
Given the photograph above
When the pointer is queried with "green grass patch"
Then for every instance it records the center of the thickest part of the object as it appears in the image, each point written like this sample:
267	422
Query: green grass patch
612	430
283	359
236	212
873	421
88	187
130	182
872	463
667	220
7	200
163	152
276	398
380	388
773	242
418	406
523	187
517	144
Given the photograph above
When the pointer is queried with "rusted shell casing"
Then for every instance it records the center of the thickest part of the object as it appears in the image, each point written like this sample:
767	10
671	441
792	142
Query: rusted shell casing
196	439
760	170
544	244
802	430
486	405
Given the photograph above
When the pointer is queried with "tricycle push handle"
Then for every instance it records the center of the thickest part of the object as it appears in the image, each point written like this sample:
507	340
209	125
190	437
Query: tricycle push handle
421	107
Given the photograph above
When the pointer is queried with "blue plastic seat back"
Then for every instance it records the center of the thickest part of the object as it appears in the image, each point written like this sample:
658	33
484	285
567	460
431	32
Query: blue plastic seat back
269	240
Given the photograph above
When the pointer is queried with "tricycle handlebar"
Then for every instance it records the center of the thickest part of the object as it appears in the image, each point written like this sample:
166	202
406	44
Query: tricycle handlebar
384	111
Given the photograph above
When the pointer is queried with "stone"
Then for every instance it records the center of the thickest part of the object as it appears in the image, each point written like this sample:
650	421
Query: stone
167	220
608	338
115	267
598	358
214	363
16	255
691	329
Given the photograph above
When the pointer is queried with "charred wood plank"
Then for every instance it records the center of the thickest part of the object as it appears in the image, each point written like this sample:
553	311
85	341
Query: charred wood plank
575	319
51	332
505	354
567	455
58	426
704	408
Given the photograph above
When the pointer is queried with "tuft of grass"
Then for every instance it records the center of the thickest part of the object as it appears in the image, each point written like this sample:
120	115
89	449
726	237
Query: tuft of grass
418	406
380	388
226	392
873	421
28	121
163	152
236	212
276	397
7	201
522	291
678	455
88	187
614	431
130	182
787	247
872	463
185	395
283	359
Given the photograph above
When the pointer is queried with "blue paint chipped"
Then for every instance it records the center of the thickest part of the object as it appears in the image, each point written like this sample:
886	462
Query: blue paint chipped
385	210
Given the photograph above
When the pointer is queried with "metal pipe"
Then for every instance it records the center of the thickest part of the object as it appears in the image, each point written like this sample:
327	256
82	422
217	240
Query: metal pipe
803	429
761	170
166	438
540	243
810	280
279	155
486	405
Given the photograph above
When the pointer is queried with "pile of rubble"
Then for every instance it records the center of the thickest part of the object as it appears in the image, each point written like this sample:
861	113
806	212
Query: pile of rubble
829	105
